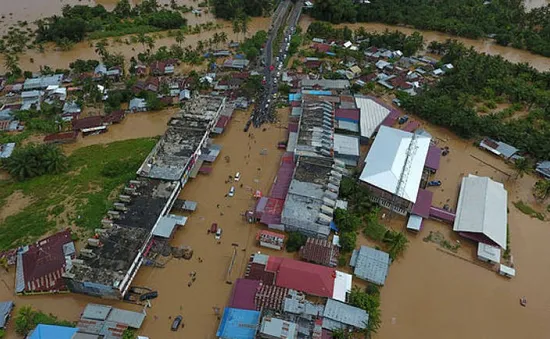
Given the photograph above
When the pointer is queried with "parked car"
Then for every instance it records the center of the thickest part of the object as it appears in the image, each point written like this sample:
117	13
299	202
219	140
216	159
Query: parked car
231	191
237	176
176	323
148	295
213	228
218	233
282	144
403	119
434	183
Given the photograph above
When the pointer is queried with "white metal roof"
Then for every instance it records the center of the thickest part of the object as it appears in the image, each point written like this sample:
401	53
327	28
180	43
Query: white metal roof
414	223
340	312
342	286
482	208
372	115
488	252
386	161
346	145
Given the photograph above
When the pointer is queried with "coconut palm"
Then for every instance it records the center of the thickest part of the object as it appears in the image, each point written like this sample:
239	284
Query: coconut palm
101	47
11	62
180	37
245	20
521	166
142	39
541	190
397	243
236	27
223	37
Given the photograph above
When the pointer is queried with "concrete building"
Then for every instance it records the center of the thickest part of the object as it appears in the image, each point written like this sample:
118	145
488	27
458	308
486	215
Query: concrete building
315	132
339	315
481	214
178	150
325	84
320	251
109	263
395	167
42	82
107	322
370	264
488	253
276	328
309	204
346	149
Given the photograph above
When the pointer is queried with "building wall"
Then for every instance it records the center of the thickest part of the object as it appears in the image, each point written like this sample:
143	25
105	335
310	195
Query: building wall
93	289
385	199
306	227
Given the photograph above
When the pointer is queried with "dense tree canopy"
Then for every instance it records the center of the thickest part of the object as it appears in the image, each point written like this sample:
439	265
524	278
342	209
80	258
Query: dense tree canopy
32	161
506	20
226	9
77	21
480	77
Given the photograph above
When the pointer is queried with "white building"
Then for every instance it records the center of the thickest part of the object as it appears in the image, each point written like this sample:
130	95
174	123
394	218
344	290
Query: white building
481	214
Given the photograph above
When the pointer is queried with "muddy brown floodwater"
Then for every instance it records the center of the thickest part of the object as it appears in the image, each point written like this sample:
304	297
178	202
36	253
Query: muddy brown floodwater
482	45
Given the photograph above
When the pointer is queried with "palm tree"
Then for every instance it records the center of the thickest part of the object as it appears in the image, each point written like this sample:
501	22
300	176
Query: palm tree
237	27
245	20
521	166
101	47
223	37
53	159
397	243
142	39
150	43
180	37
216	39
24	321
11	62
541	190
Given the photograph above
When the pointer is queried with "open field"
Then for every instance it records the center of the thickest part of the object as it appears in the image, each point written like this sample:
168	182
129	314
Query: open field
80	197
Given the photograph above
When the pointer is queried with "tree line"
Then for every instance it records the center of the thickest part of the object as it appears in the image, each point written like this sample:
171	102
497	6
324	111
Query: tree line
229	10
78	21
476	77
505	20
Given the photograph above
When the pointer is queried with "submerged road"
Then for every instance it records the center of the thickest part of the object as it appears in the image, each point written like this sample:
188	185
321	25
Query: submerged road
263	109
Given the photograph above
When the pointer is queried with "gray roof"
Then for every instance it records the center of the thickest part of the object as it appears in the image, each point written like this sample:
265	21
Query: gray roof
43	82
96	311
166	225
278	328
482	208
5	311
372	115
340	315
296	302
370	264
6	114
6	150
544	168
137	103
30	94
329	84
346	145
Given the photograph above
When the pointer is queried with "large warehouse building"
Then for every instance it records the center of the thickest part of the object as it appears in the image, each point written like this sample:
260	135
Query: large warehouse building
394	168
481	214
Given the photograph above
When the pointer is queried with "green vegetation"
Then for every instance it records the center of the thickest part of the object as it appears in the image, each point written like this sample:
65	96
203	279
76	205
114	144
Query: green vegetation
129	334
541	190
79	21
396	243
368	300
35	160
251	47
508	250
526	209
479	77
294	241
507	20
232	9
27	318
522	166
80	196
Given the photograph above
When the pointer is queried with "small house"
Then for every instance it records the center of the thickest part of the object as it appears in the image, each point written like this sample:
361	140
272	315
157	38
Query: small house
543	168
137	105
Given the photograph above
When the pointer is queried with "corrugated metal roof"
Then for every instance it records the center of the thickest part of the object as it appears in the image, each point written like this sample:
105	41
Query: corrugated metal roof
5	311
370	264
238	324
482	208
346	145
166	225
243	294
423	203
386	160
130	318
278	328
96	311
372	115
340	312
329	84
52	332
433	158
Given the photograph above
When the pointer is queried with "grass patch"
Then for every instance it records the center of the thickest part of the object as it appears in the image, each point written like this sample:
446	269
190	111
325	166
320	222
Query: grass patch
94	173
526	209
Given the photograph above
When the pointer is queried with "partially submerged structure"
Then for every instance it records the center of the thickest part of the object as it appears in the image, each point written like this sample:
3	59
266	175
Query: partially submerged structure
320	251
339	315
41	265
311	198
275	328
108	322
370	264
238	324
481	214
499	148
175	154
394	168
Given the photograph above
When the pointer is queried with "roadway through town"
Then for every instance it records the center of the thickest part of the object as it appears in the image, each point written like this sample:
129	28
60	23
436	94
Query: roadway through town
262	111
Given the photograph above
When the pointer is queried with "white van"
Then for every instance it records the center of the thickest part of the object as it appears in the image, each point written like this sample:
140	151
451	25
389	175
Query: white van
218	233
231	191
237	176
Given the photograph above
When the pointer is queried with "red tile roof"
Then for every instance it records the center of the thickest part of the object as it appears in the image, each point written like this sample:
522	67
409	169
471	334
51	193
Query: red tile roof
61	137
258	272
244	292
320	251
347	113
44	263
88	122
301	276
115	117
323	48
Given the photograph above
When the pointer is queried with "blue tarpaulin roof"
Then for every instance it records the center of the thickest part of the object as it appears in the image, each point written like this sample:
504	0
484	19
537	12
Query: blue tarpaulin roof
295	97
240	56
238	324
52	332
333	226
